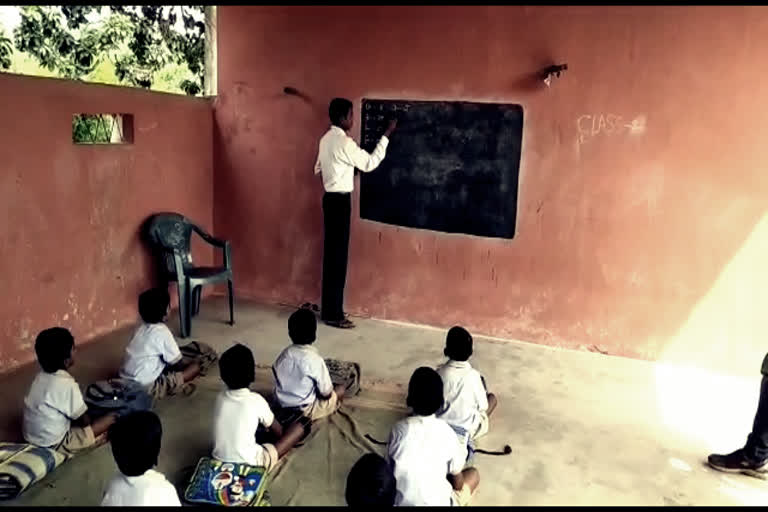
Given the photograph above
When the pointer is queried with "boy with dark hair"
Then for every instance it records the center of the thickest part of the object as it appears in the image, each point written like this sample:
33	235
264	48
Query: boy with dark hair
238	412
371	482
135	442
467	402
427	459
302	379
153	358
338	156
54	410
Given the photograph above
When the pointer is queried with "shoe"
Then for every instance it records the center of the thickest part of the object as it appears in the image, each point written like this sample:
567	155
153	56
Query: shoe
341	324
739	462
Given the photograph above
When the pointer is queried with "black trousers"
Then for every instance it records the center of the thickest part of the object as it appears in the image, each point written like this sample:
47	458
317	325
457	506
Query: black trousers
757	442
337	210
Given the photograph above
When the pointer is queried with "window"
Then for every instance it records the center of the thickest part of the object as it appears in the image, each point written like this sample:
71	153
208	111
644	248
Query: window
102	128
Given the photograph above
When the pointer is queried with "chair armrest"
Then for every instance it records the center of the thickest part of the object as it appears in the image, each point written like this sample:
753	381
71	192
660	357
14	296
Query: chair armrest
208	237
216	242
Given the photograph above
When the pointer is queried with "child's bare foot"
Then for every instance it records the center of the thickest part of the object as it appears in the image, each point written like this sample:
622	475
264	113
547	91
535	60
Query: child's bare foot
492	403
189	388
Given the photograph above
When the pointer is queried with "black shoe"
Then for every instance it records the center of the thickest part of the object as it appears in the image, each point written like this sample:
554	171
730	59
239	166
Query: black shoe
739	462
341	324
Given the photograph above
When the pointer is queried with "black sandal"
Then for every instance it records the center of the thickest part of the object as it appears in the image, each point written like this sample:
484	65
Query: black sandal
341	324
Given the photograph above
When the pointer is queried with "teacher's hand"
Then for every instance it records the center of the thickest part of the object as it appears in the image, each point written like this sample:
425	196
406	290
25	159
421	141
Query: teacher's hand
390	128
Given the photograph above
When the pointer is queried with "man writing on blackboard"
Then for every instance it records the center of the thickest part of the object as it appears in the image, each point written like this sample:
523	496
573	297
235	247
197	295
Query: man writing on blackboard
337	158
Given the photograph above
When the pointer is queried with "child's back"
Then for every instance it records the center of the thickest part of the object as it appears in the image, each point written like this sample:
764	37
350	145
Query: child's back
424	449
426	456
55	414
465	396
151	349
153	359
302	379
300	371
467	406
135	440
238	412
149	489
53	401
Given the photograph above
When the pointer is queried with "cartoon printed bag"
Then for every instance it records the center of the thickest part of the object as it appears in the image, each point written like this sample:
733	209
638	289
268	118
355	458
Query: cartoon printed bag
227	484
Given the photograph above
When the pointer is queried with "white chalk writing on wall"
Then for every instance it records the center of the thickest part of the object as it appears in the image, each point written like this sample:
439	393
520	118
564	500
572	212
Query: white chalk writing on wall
590	126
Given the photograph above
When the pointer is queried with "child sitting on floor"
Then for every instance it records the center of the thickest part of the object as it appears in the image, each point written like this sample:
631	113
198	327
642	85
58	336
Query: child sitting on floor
370	482
54	410
135	442
302	379
467	402
153	358
427	459
238	412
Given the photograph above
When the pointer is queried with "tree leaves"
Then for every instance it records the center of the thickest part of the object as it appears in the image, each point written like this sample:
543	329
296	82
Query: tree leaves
139	40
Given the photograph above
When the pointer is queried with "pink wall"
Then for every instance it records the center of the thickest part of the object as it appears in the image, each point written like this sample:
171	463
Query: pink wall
623	237
70	252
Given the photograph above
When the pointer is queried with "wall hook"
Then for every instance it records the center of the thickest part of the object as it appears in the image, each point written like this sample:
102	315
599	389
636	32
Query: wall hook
548	72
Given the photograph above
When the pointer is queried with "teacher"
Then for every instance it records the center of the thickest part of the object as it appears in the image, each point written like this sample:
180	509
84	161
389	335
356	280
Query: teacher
337	158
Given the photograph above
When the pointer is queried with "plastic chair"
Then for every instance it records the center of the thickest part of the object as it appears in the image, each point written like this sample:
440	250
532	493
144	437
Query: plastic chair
170	234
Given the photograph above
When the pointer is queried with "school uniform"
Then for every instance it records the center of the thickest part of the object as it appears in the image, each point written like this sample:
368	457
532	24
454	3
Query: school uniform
338	156
300	376
53	401
237	415
149	489
151	350
466	400
423	450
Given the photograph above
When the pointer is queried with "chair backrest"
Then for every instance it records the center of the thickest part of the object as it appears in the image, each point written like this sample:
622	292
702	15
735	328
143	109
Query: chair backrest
171	232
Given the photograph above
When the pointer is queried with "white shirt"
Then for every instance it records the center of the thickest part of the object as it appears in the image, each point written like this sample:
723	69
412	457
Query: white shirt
339	155
424	450
236	416
53	401
151	349
465	395
149	489
300	374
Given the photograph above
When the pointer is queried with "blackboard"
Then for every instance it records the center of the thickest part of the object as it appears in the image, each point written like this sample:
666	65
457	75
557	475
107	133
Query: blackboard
450	166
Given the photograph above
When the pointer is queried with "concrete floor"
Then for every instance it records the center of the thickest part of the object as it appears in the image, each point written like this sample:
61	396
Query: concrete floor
586	429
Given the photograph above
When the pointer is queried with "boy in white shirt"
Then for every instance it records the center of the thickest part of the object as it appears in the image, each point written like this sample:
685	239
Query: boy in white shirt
238	412
54	410
427	459
135	442
302	379
153	358
468	405
338	156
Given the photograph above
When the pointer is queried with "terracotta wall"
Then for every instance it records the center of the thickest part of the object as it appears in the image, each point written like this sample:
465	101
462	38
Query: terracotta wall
70	252
642	181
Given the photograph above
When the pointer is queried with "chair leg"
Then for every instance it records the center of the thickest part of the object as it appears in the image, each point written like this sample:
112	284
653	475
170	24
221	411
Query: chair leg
196	300
231	303
184	320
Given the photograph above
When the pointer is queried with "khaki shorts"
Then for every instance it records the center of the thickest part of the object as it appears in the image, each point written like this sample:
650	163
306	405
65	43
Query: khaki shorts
322	408
461	498
269	457
168	383
483	427
76	440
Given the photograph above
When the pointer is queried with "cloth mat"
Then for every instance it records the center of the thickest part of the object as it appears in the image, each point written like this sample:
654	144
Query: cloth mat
315	474
22	465
226	484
